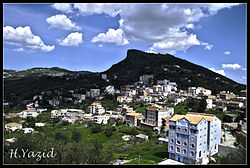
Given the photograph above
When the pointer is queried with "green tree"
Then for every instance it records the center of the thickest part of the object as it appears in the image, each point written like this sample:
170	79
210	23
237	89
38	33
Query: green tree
76	135
202	106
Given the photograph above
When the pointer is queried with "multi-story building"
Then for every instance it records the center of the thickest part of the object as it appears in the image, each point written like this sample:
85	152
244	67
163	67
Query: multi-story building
133	119
193	137
155	114
96	108
93	93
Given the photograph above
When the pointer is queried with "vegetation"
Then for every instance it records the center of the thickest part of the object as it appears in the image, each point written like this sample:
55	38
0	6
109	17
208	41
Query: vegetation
76	144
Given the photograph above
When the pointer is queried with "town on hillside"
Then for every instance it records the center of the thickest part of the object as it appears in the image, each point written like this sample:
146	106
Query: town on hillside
190	126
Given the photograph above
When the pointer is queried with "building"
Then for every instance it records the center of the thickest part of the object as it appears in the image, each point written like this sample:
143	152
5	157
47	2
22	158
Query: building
122	99
192	91
133	119
39	124
104	76
28	130
146	79
13	127
79	96
101	119
154	116
209	103
110	89
193	137
96	108
93	93
226	95
54	102
28	113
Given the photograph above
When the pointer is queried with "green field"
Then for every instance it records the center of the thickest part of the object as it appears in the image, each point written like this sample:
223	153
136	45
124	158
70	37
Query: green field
150	151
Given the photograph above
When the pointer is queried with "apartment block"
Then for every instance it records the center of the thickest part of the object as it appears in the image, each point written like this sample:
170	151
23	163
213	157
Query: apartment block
193	137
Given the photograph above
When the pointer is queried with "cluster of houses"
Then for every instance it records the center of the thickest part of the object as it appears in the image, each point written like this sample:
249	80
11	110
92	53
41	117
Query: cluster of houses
191	138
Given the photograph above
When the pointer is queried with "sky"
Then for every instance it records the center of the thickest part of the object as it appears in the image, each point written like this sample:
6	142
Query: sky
93	37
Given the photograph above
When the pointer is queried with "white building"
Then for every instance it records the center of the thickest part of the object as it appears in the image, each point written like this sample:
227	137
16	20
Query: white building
146	79
28	130
40	124
54	102
101	119
79	96
93	93
110	89
123	99
209	103
28	113
192	91
96	108
193	137
104	76
13	127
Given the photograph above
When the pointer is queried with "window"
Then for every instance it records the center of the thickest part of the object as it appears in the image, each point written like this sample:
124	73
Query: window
204	142
184	151
192	153
214	138
178	128
192	145
171	148
178	150
200	144
215	146
185	129
200	130
200	154
200	136
192	138
184	143
178	142
204	151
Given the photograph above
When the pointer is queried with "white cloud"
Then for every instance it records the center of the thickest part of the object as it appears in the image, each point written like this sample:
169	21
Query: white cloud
190	26
63	7
100	45
99	8
151	24
231	66
176	41
218	71
18	49
207	46
62	22
111	36
149	51
22	36
227	52
73	39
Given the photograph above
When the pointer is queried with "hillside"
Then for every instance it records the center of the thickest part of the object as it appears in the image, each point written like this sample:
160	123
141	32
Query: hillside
184	73
25	84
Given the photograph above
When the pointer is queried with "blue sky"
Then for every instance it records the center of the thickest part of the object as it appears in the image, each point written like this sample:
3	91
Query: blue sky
93	37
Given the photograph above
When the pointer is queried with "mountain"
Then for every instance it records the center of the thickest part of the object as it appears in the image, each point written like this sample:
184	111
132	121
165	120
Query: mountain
40	72
24	84
184	73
